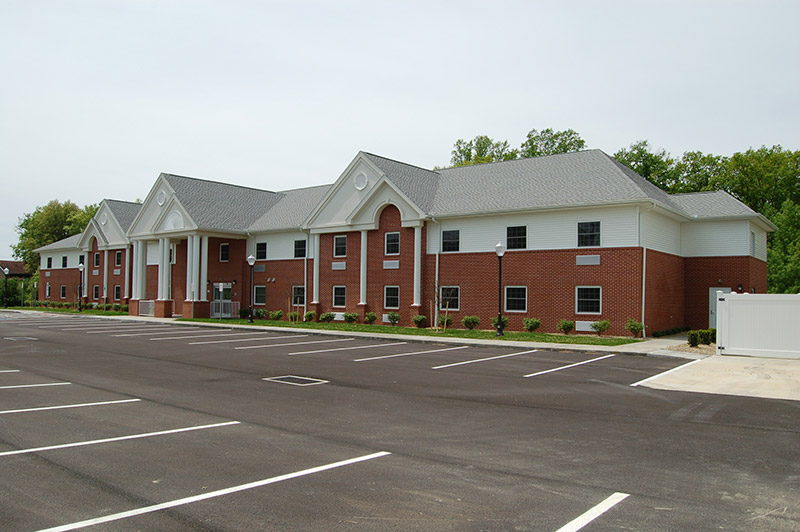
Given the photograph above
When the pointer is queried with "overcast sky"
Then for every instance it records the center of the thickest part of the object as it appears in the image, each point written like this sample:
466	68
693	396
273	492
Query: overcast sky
97	97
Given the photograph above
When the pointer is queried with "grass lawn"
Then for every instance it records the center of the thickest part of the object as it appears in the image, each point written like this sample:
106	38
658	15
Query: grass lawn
450	333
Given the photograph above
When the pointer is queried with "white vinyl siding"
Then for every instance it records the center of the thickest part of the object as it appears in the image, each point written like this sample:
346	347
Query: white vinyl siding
56	256
545	230
761	242
280	246
716	239
660	233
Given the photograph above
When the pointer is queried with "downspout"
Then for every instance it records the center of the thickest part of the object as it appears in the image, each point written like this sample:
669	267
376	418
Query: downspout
436	275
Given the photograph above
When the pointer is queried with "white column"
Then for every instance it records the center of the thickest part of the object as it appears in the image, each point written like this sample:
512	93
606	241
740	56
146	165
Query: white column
316	269
417	264
196	266
105	274
136	277
160	269
127	271
363	283
203	270
189	266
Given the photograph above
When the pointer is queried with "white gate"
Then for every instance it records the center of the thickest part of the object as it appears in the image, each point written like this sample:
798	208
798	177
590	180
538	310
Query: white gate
758	325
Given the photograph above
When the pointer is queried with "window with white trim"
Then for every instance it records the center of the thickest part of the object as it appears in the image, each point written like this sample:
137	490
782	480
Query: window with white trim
82	260
63	291
339	296
97	260
63	262
451	240
588	300
96	292
516	298
299	249
449	297
49	262
391	297
118	258
261	250
260	295
340	246
517	237
299	295
588	234
392	246
117	292
47	291
224	252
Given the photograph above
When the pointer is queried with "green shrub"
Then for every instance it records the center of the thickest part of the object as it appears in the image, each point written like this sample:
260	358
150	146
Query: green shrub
293	316
419	320
124	308
470	322
276	315
705	336
244	312
310	315
565	326
531	324
445	320
350	317
327	317
505	322
694	338
117	307
259	313
393	318
370	317
600	326
634	327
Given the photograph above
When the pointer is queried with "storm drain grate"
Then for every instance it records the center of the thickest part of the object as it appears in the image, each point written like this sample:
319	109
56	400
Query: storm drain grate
294	380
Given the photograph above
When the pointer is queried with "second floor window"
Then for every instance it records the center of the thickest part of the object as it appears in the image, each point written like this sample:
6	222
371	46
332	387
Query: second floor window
588	234
49	262
451	240
63	262
224	250
261	250
517	237
97	260
299	249
118	259
392	243
340	246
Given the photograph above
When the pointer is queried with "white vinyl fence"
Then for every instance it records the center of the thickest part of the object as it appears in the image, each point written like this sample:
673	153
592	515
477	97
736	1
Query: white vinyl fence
758	325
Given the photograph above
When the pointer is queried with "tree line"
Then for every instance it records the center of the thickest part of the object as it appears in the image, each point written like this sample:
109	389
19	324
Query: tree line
766	179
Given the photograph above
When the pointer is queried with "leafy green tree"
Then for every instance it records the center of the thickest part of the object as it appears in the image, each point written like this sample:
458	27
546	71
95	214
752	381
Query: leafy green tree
698	171
763	177
550	142
48	224
657	167
479	150
783	253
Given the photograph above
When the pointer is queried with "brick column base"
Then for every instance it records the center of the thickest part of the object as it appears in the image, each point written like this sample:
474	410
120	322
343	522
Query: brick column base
361	310
413	310
133	307
196	309
163	308
315	307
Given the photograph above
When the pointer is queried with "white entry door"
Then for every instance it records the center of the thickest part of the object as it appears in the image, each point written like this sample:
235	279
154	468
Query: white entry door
712	304
221	301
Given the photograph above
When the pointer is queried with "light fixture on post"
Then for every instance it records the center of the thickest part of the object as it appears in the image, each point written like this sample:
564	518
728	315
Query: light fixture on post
251	260
5	287
81	267
500	249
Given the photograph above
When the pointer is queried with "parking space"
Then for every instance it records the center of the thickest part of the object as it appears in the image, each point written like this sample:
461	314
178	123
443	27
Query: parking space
173	427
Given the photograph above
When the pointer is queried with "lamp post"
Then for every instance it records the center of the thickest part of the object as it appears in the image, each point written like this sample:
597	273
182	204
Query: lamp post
251	260
500	249
81	267
5	288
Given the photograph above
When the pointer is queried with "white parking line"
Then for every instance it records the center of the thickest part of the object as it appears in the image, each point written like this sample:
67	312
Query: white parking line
568	366
410	354
665	373
296	343
34	385
248	339
212	494
84	326
9	371
59	407
346	348
589	516
484	359
139	328
118	438
170	331
223	332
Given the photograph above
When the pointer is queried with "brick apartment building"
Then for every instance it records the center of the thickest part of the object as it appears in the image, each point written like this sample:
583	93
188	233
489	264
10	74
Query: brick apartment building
586	239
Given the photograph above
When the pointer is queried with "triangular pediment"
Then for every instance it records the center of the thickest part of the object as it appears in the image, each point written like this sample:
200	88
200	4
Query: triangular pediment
92	230
366	214
174	219
161	213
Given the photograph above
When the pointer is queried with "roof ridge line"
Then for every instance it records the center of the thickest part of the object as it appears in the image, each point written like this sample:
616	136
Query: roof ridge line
217	182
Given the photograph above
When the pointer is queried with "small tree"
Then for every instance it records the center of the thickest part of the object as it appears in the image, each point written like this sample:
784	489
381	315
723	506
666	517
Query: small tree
393	318
565	326
601	326
276	315
419	320
470	322
634	327
327	317
370	318
531	324
350	317
293	316
445	320
310	315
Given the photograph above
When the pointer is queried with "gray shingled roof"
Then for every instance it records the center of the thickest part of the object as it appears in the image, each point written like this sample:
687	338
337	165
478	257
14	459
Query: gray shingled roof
71	242
124	211
716	204
419	185
220	206
291	210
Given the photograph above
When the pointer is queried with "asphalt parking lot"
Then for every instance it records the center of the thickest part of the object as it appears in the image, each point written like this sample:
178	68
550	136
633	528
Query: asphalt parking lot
123	425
